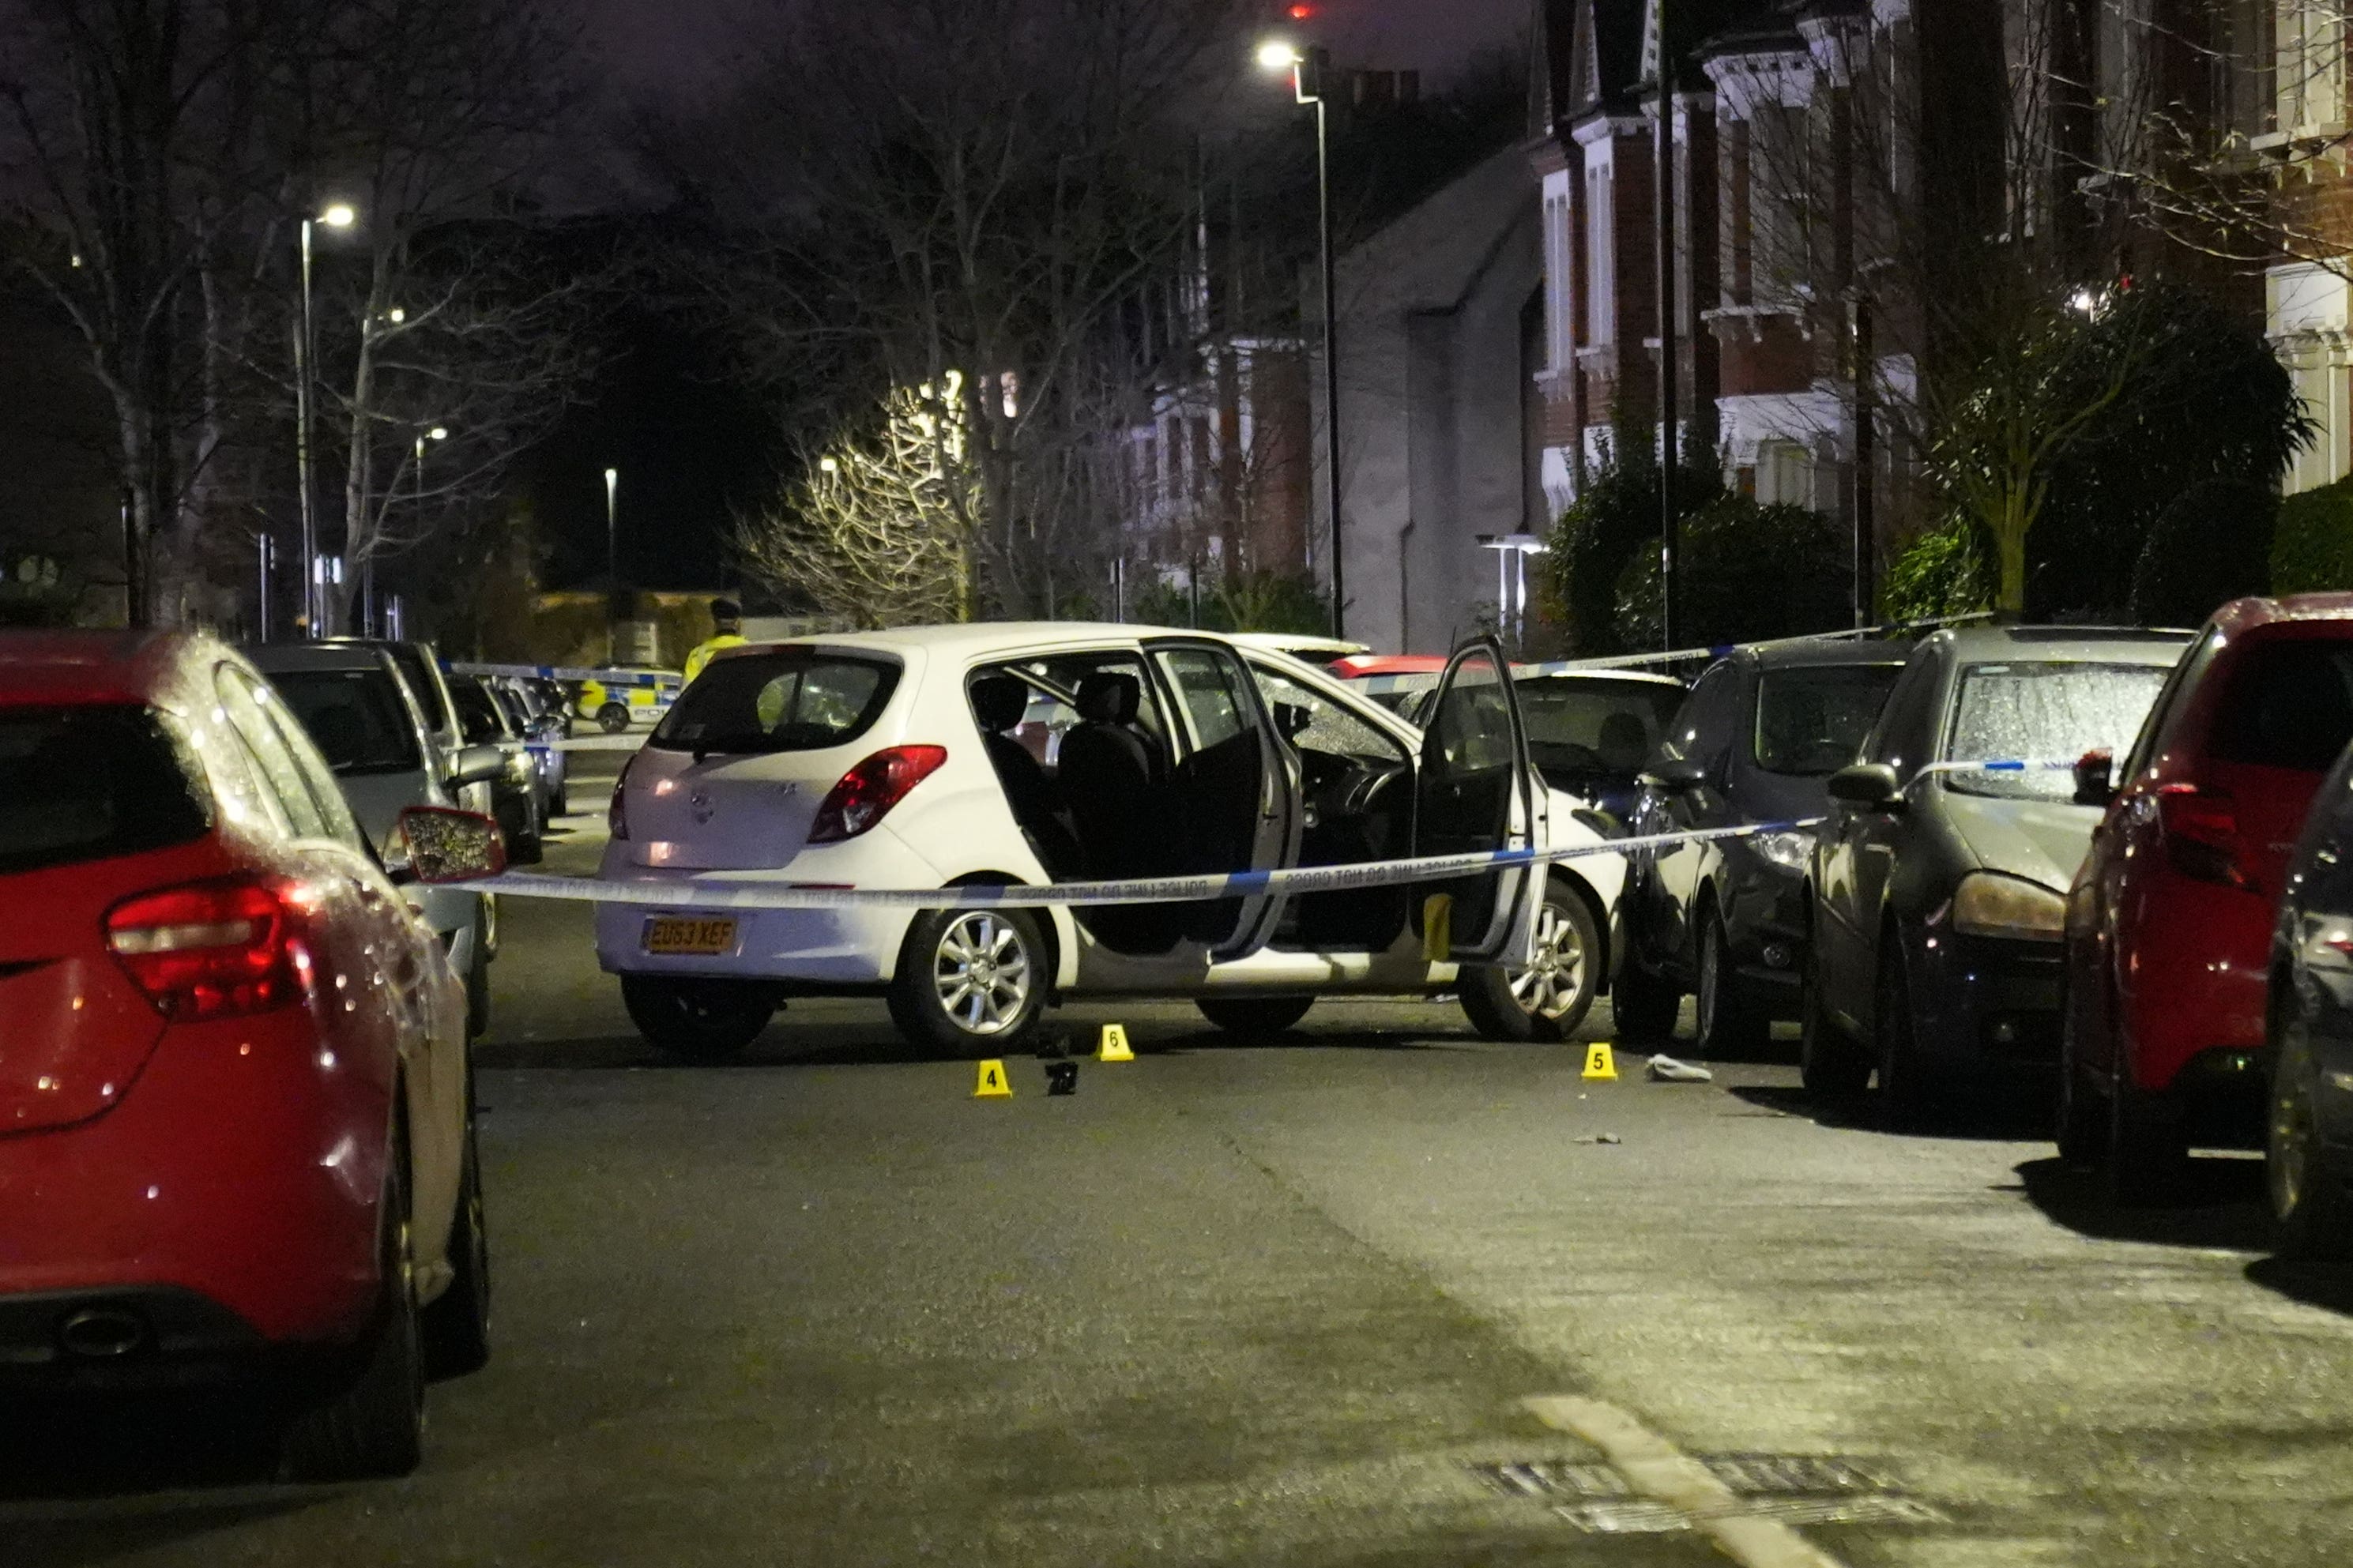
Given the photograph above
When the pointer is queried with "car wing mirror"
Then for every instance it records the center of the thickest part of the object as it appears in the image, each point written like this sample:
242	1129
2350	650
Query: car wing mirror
1678	777
477	763
2095	777
1874	786
437	845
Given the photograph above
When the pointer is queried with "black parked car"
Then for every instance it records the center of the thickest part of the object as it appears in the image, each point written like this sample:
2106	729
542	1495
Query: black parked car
2308	1033
1760	732
515	797
1940	886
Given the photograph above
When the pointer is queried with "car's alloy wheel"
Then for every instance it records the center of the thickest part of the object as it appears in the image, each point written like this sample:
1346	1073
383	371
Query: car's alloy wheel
1254	1017
612	717
1730	1024
698	1020
1550	997
1832	1066
2305	1182
456	1325
1905	1089
971	980
364	1417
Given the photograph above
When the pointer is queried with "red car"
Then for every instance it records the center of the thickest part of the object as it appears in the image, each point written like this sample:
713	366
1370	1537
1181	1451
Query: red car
2168	922
235	1121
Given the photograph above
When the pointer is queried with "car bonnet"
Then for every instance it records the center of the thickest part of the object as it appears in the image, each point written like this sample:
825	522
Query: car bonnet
2041	841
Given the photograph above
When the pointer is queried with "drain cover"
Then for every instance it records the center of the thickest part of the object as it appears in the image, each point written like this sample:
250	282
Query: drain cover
1795	1488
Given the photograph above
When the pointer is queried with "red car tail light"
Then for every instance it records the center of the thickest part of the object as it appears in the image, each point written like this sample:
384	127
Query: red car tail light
868	792
2201	834
208	950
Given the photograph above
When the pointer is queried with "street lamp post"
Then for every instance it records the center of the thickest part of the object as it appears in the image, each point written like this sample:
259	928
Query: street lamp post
339	215
612	561
1274	56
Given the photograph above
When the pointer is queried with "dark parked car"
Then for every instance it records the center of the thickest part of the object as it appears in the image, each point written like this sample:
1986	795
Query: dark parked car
2308	1033
1753	742
1939	885
515	793
2170	922
1589	731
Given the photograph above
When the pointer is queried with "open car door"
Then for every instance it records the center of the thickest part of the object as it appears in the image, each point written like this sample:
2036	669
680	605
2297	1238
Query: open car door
1236	795
1475	790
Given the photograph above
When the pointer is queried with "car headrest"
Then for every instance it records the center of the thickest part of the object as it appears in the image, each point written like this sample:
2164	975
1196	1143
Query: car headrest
1623	741
998	701
1110	697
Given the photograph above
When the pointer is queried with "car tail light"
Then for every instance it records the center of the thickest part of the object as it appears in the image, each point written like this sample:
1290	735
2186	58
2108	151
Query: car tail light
617	815
208	950
868	792
2201	834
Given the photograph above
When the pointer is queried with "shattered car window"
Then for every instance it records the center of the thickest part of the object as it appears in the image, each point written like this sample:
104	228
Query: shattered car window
2043	712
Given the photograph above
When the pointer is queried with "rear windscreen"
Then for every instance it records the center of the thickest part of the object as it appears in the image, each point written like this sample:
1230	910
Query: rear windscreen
83	784
1810	720
795	701
355	717
2290	705
1583	728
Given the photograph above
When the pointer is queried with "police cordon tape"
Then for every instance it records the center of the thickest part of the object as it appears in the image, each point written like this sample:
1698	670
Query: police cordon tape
763	892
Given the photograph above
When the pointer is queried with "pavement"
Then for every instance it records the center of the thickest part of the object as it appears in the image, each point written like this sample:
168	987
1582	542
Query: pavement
1375	1296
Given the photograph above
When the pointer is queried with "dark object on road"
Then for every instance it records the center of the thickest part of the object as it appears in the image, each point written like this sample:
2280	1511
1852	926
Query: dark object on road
1755	741
1061	1077
2170	926
1938	884
2308	1033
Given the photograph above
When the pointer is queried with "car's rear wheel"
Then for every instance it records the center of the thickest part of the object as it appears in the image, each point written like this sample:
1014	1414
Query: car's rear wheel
1730	1023
1254	1017
1549	998
1643	1006
2082	1130
456	1325
2310	1206
365	1417
698	1020
613	717
2148	1150
971	983
1832	1068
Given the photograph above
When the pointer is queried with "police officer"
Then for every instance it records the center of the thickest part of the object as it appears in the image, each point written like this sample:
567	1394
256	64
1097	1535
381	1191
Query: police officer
727	618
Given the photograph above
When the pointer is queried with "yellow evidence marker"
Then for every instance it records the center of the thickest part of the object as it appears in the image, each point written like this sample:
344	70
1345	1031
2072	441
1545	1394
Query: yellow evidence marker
992	1082
1112	1047
1438	928
1599	1063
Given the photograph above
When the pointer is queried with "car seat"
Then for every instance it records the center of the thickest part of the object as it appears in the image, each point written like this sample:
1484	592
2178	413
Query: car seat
1110	777
998	702
1623	742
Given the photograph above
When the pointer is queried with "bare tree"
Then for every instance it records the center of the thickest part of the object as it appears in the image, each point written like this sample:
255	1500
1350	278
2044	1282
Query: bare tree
873	530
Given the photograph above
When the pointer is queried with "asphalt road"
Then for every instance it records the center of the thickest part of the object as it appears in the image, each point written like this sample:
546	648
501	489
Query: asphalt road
1278	1305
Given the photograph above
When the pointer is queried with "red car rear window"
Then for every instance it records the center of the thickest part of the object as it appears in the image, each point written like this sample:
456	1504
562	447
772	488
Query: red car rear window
2289	705
90	782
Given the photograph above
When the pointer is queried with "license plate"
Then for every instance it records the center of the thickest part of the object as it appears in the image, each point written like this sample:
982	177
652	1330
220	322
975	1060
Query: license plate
690	935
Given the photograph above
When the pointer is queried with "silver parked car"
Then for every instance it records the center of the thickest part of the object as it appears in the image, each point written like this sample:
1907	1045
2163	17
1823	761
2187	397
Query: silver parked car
362	715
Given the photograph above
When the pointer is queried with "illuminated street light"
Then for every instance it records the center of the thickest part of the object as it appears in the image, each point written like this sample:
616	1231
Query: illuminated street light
1275	56
338	216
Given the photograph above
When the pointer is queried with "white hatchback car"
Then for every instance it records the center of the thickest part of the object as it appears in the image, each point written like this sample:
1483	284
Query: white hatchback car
890	759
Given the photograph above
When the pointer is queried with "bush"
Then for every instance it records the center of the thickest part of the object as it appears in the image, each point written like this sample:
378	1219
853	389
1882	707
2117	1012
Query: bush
1614	521
1749	572
2312	546
2211	545
1948	570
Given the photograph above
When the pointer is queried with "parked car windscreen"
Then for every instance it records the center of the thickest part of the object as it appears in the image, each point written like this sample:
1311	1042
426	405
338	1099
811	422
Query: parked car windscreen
84	783
355	717
1810	720
793	701
2041	713
1582	727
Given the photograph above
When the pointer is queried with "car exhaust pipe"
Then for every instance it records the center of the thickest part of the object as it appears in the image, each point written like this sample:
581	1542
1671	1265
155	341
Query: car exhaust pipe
102	1333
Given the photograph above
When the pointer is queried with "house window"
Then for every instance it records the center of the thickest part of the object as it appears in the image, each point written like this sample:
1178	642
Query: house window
2309	39
1785	473
1601	271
